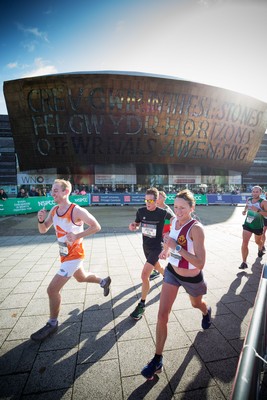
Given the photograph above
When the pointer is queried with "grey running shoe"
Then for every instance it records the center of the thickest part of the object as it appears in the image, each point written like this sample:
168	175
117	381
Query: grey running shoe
106	286
138	312
243	265
44	332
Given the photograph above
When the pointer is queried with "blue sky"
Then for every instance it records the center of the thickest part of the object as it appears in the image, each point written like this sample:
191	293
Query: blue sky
216	42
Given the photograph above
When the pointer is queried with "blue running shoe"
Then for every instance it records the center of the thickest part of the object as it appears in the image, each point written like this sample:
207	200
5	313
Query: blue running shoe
152	368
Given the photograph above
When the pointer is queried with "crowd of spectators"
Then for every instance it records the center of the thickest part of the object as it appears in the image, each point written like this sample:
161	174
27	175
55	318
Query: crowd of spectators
40	190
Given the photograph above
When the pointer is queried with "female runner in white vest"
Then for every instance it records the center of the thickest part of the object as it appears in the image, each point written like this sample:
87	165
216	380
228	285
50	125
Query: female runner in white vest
185	250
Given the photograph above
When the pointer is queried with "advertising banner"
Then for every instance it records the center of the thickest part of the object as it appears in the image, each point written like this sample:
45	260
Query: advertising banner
106	199
134	198
33	204
226	199
239	198
199	198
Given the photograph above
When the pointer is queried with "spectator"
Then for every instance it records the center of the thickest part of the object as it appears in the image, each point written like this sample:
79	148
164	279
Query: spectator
22	193
42	192
83	191
33	192
3	195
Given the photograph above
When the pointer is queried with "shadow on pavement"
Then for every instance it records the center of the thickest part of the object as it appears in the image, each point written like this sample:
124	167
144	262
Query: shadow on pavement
221	359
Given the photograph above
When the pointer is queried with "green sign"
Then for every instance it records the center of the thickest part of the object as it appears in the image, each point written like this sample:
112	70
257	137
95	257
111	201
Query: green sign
33	204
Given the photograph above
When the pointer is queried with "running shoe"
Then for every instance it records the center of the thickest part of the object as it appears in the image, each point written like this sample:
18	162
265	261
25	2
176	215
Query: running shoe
243	265
152	368
44	332
206	320
154	275
138	312
260	253
106	285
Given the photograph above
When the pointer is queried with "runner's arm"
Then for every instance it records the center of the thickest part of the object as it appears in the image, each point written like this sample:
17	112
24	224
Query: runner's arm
44	222
82	215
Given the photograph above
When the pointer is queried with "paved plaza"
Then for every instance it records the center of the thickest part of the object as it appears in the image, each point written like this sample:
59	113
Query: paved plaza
99	350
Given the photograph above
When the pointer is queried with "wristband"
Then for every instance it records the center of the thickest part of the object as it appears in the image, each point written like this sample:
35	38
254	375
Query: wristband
41	222
178	247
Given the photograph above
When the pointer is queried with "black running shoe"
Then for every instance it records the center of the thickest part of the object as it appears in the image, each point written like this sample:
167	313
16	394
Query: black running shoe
260	253
243	265
206	319
106	285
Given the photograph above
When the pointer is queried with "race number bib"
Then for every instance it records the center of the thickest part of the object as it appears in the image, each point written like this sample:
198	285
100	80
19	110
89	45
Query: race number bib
250	216
63	249
149	230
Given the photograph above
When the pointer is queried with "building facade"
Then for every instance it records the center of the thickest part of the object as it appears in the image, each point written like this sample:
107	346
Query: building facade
123	131
8	168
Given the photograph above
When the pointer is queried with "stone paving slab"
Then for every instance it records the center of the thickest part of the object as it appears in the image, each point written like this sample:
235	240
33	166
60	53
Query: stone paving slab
99	350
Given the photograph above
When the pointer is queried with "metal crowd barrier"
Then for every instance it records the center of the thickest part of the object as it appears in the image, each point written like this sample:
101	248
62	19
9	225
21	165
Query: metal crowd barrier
253	358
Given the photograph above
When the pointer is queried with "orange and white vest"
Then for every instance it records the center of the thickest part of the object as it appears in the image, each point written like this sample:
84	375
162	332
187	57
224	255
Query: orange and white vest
64	224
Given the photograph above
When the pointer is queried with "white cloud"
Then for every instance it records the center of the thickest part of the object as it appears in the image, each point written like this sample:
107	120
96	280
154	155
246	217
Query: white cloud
34	32
12	65
40	68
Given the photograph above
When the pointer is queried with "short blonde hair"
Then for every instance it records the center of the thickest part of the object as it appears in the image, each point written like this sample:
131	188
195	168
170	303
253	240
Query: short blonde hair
163	194
64	184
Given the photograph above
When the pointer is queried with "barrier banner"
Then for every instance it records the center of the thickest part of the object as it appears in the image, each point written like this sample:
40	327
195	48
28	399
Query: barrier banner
199	198
219	199
106	198
239	198
134	198
33	204
137	198
226	199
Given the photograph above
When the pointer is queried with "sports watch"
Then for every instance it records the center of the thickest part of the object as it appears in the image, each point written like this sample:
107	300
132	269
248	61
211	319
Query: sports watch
178	247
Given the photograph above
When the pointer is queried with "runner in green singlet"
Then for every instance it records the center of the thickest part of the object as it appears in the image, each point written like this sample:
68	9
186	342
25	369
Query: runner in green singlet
255	211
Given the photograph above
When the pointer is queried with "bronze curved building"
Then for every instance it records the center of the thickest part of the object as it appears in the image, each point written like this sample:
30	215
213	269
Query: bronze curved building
81	120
